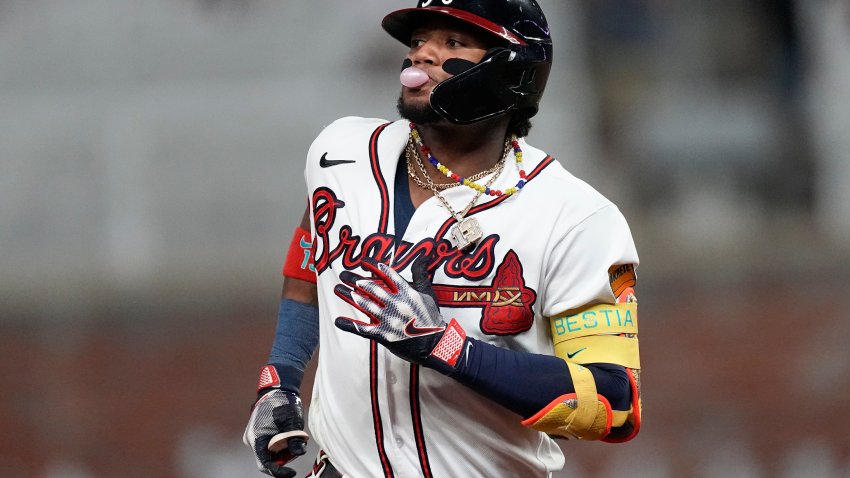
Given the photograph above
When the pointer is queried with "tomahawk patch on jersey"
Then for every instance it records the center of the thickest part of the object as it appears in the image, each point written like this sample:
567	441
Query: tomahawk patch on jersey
506	303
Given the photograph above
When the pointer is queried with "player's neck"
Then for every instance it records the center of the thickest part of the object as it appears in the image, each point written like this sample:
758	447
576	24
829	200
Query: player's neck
469	149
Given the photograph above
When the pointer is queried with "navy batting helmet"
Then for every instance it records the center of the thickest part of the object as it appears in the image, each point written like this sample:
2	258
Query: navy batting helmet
510	77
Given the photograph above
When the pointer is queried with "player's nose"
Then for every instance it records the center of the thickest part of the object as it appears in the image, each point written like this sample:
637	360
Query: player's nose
426	53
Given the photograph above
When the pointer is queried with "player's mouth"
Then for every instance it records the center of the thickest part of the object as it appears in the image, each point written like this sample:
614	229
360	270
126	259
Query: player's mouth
416	78
427	85
422	91
426	88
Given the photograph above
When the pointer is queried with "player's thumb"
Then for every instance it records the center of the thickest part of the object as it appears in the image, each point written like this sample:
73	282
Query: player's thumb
422	276
297	446
346	324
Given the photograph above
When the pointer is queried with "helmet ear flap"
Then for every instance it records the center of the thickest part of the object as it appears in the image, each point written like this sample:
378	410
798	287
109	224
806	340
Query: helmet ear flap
529	85
477	93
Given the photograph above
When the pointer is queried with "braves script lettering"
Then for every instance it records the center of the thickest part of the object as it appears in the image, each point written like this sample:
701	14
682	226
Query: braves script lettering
351	248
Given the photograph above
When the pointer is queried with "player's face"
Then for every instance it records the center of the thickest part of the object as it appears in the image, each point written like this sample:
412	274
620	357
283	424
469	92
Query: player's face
434	43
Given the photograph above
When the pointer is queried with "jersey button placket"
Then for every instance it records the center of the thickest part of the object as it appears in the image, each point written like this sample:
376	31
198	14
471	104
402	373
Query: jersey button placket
397	417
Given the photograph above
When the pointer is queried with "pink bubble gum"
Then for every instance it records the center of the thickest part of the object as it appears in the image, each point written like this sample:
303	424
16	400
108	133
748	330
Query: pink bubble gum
413	77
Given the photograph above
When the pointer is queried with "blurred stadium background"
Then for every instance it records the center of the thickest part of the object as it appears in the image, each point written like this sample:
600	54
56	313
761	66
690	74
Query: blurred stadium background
151	157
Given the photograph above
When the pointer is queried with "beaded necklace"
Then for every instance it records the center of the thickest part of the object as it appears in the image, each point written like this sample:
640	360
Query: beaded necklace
411	154
417	138
466	233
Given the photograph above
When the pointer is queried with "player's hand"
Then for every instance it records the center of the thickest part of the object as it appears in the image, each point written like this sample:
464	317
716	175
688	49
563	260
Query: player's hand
276	412
404	318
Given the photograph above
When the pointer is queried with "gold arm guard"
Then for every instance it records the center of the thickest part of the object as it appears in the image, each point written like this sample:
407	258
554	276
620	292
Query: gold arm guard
605	333
584	415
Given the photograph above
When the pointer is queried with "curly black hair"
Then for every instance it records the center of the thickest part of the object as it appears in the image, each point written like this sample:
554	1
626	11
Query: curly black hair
519	125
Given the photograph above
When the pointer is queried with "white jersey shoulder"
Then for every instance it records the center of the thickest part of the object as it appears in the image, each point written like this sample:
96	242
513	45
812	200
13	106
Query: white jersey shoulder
588	234
342	137
570	196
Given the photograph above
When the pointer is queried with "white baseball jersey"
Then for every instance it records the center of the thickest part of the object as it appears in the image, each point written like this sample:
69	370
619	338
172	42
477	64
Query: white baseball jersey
545	250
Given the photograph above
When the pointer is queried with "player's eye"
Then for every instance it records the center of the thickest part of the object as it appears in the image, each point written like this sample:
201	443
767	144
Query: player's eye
454	43
416	42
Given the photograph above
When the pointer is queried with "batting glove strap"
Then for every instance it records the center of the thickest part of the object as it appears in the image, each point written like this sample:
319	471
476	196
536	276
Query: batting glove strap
449	350
278	376
269	378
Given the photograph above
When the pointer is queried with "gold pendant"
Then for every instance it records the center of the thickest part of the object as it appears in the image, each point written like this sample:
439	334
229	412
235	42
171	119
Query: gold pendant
466	233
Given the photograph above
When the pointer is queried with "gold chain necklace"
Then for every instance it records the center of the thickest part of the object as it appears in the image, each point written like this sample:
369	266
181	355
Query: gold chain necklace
411	156
514	142
467	232
411	153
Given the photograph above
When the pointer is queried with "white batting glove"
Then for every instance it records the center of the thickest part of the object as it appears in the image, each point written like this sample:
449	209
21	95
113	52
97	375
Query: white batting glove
275	429
403	318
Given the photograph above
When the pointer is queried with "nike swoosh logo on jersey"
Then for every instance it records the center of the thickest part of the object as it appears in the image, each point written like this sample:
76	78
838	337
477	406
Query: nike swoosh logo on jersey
571	355
326	163
411	330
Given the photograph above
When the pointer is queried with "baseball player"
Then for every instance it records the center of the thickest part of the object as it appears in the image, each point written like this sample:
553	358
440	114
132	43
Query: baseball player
470	299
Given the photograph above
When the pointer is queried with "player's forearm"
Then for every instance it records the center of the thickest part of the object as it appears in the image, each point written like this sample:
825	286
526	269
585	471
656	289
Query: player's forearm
524	382
296	338
300	291
297	331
